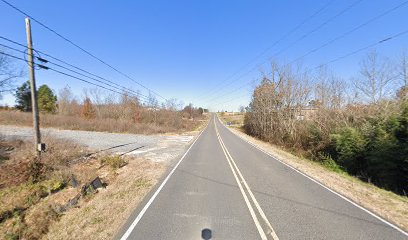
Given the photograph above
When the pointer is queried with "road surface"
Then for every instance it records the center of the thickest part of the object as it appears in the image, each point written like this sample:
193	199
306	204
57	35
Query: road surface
235	191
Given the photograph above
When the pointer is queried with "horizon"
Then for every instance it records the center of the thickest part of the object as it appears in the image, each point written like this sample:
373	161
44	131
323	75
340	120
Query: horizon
190	50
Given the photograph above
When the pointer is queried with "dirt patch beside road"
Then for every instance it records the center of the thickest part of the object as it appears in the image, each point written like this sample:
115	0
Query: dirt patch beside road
103	214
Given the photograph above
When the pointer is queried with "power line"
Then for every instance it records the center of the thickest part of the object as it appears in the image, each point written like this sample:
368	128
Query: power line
76	72
352	30
15	49
381	15
83	75
229	93
82	49
59	60
69	75
8	90
80	79
343	11
348	54
348	8
232	99
274	44
24	60
365	48
12	41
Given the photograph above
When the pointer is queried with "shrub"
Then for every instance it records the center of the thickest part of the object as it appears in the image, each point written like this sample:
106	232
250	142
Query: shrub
327	162
114	161
388	153
88	110
349	145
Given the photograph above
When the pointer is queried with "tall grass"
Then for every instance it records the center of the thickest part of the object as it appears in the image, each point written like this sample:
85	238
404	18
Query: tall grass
164	122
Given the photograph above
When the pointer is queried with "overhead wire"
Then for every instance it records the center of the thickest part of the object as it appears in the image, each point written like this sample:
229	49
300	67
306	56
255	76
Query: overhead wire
352	30
76	72
381	15
8	90
343	11
61	61
374	44
71	76
82	49
294	29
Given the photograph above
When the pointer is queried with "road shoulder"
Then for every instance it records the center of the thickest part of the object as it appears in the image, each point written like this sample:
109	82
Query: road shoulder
144	203
387	205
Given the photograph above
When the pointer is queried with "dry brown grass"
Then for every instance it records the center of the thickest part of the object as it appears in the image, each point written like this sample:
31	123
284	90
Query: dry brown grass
164	124
103	214
27	190
235	119
32	210
16	169
386	204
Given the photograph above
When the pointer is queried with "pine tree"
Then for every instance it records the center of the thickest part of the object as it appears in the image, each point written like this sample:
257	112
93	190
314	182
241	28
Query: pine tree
47	101
23	97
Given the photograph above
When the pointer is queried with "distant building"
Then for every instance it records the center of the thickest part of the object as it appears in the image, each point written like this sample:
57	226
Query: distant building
306	113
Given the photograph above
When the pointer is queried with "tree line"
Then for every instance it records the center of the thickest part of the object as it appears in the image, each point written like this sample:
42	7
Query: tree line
47	100
358	126
101	111
93	102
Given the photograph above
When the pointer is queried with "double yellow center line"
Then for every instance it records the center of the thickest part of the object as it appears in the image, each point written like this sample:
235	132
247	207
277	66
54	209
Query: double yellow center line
249	197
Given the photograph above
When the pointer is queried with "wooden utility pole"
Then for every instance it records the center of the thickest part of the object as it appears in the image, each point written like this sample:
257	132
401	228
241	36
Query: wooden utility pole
36	119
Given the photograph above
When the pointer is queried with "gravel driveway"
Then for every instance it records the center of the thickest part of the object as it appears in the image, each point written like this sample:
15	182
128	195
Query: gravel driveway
157	148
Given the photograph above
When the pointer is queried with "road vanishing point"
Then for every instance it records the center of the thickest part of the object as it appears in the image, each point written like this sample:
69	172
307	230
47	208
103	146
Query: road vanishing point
226	188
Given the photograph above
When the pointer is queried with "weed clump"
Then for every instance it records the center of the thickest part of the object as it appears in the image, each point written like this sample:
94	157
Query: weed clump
113	161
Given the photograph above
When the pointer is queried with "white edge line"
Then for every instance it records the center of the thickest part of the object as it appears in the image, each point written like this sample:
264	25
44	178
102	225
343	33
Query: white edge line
143	211
321	184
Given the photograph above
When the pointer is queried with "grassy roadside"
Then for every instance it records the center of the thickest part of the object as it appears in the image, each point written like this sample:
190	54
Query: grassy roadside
35	198
120	125
386	204
100	216
94	218
235	119
37	209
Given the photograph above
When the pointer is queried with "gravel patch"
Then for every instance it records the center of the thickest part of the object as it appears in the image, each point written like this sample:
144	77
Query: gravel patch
158	148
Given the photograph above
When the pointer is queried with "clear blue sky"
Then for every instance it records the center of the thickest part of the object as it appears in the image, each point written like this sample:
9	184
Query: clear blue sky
183	49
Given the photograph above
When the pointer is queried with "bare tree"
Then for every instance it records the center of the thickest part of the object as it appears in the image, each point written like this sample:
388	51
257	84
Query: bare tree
152	101
375	83
66	101
330	90
403	69
96	95
277	102
403	76
241	109
174	104
8	73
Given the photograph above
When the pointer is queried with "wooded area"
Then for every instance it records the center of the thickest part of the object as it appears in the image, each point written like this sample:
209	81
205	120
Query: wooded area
358	126
97	111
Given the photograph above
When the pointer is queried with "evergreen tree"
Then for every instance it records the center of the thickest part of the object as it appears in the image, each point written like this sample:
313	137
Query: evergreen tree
23	97
47	101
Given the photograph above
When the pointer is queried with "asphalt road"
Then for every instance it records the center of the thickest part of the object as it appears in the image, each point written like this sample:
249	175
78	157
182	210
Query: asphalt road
238	192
